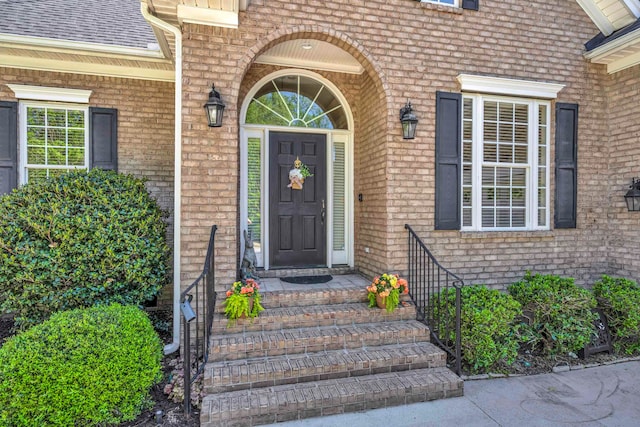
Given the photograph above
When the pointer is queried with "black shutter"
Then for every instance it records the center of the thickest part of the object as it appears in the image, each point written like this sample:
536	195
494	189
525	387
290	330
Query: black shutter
103	138
8	146
448	160
471	4
566	199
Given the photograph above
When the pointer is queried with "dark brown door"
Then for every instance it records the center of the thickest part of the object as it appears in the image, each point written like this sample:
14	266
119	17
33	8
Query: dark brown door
297	236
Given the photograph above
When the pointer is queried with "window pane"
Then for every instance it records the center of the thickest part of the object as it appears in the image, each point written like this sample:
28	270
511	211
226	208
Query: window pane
518	218
36	136
76	137
339	197
76	156
519	177
56	117
503	176
503	217
488	218
505	153
36	174
56	156
506	132
505	110
253	193
488	176
521	154
35	116
76	118
490	152
35	155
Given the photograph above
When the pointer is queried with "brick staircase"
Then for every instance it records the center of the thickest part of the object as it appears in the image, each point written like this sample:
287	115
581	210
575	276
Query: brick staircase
319	350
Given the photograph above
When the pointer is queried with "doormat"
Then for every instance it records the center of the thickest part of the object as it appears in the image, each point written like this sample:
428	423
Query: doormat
307	280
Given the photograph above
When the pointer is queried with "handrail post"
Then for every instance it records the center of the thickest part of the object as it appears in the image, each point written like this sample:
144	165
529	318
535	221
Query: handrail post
187	368
458	330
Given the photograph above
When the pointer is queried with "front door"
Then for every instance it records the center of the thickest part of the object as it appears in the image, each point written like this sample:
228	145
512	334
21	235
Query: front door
297	235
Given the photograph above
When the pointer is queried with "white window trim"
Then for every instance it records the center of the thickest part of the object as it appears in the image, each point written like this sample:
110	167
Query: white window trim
456	3
22	135
532	166
54	94
509	87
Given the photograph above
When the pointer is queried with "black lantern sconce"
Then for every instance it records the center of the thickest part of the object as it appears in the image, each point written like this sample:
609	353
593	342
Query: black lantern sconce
633	195
409	121
214	108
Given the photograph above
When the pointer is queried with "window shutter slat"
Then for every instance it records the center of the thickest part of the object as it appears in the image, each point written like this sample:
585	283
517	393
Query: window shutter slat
103	138
566	169
471	4
8	146
448	160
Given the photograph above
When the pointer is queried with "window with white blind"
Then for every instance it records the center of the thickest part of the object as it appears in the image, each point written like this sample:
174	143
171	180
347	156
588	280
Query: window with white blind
505	163
54	139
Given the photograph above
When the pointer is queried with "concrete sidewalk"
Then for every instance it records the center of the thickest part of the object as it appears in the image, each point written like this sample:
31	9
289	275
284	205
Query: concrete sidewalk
598	396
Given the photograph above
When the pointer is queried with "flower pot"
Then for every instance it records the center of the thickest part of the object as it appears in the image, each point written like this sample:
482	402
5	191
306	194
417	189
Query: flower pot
244	315
381	301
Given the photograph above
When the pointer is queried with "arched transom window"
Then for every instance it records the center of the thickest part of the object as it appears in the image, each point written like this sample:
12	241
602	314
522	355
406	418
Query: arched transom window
296	101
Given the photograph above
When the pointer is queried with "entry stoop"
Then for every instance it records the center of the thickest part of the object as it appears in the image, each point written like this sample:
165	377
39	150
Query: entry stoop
319	350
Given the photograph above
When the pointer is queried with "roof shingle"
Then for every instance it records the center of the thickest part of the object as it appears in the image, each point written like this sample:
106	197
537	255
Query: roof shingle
112	22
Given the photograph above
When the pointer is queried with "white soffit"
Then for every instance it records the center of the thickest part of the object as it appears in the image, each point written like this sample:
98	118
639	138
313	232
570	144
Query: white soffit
611	15
311	54
44	93
618	54
502	86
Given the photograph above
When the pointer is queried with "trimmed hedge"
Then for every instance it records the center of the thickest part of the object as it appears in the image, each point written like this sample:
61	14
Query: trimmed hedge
80	239
619	299
81	367
562	313
488	327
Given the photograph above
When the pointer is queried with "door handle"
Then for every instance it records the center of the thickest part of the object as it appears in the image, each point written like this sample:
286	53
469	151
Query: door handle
322	213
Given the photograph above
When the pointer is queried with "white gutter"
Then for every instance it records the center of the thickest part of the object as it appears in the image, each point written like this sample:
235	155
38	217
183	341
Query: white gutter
158	23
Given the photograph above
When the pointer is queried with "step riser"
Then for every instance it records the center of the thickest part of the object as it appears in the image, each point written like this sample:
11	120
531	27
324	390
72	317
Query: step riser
302	298
344	395
285	343
302	319
306	368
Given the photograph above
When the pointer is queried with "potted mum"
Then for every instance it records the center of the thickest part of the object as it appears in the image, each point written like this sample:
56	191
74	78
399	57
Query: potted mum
385	291
243	300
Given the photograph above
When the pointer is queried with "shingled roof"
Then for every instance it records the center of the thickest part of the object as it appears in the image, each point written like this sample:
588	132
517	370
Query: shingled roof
111	22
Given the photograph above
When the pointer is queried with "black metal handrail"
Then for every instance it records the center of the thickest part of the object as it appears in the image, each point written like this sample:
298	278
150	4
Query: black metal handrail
427	281
201	316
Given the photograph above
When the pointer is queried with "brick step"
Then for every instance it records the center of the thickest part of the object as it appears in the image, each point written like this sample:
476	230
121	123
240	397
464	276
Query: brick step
310	340
298	368
296	401
309	297
308	316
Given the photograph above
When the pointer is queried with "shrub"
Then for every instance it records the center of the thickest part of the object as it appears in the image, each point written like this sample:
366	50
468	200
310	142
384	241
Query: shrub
562	313
488	327
80	367
77	240
620	301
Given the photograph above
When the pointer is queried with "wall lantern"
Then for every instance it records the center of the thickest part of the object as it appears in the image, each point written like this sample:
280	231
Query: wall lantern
214	108
633	195
409	121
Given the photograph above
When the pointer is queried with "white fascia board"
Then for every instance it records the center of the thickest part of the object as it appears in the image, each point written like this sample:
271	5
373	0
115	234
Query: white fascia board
60	66
597	16
624	42
211	17
511	87
80	48
315	65
44	93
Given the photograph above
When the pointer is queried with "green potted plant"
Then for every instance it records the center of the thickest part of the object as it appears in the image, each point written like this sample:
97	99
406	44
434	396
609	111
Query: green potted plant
243	300
385	291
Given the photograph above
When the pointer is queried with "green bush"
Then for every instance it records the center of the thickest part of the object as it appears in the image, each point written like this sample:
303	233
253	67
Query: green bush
77	240
81	367
562	313
488	326
620	300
